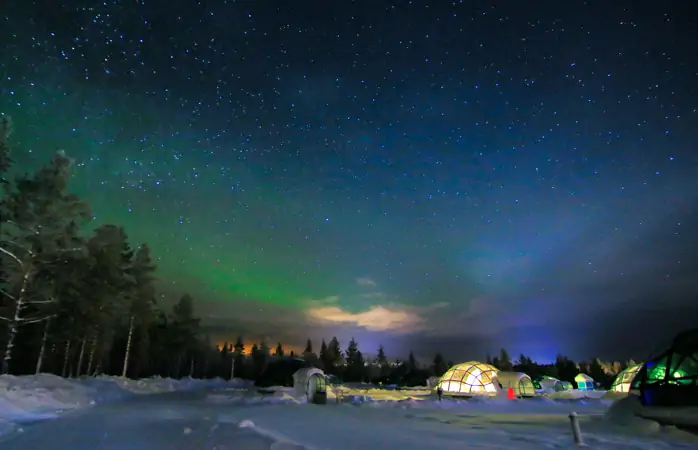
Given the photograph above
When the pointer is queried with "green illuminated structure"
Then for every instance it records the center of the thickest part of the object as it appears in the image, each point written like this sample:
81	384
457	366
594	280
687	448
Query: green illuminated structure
671	377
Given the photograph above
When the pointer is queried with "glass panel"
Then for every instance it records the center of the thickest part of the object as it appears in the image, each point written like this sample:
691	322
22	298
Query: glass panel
458	375
656	370
686	367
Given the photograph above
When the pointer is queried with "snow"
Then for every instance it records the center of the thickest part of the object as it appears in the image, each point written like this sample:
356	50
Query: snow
220	415
27	399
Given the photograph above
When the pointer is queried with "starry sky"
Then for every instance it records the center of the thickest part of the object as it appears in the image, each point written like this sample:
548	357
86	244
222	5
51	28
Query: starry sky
435	176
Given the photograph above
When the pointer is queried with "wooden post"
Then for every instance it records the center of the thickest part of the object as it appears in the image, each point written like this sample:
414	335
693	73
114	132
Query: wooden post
576	430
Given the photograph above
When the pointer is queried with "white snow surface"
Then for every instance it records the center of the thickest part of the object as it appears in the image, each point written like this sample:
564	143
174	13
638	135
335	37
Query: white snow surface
111	413
26	399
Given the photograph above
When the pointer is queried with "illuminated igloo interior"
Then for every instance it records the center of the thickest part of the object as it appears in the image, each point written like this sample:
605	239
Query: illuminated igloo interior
671	377
470	378
624	379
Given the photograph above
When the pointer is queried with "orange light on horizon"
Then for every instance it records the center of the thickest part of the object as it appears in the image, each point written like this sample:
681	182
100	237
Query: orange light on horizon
272	348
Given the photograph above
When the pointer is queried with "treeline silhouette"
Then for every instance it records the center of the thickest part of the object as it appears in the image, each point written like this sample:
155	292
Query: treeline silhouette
350	365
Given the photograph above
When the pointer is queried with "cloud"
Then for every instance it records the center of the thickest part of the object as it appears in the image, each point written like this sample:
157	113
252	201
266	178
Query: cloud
389	318
365	281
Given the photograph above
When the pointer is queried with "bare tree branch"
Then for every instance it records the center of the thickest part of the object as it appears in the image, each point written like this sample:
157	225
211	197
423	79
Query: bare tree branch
23	227
13	256
30	320
29	251
40	302
8	295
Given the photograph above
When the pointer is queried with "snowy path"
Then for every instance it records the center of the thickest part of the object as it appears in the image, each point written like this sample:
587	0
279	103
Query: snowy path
199	421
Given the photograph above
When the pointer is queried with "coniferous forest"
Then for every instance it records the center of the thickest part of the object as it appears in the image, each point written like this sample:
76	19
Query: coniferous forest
76	300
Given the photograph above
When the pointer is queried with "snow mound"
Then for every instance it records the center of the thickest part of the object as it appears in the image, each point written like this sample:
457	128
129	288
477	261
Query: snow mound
625	411
30	398
577	394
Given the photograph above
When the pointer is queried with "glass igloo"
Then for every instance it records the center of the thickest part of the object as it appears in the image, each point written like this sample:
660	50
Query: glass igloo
624	380
469	378
671	377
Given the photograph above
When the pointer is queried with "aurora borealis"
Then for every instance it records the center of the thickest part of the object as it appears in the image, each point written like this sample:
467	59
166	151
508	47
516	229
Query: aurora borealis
454	177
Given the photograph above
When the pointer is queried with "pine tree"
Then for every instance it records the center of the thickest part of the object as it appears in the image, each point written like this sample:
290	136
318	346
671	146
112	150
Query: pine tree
264	348
239	358
279	352
355	370
411	362
504	361
323	355
39	223
566	368
106	288
334	352
186	327
259	360
6	161
308	347
383	362
597	372
440	367
142	302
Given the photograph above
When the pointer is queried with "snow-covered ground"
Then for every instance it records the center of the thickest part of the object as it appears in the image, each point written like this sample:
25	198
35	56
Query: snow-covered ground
28	399
221	415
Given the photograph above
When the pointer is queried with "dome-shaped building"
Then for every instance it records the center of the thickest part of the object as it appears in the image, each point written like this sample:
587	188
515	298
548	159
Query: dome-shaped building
671	377
624	379
470	378
549	384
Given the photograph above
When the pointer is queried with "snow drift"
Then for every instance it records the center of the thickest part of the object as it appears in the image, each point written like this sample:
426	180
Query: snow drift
26	399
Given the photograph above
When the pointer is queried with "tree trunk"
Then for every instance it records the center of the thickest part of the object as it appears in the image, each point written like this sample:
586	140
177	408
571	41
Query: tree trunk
42	350
14	323
128	347
191	368
66	357
91	359
177	367
80	358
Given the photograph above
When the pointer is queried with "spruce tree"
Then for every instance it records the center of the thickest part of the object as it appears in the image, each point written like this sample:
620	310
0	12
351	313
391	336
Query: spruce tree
308	347
411	362
334	352
504	361
440	366
382	361
355	369
186	328
239	357
259	361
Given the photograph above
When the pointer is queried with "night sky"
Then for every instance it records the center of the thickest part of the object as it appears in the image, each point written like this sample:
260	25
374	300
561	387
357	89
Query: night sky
455	177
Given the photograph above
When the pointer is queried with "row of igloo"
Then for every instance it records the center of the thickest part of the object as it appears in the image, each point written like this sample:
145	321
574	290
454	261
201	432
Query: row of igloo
476	378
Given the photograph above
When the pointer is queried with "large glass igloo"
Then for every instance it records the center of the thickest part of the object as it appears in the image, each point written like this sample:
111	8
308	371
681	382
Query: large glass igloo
671	377
469	378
